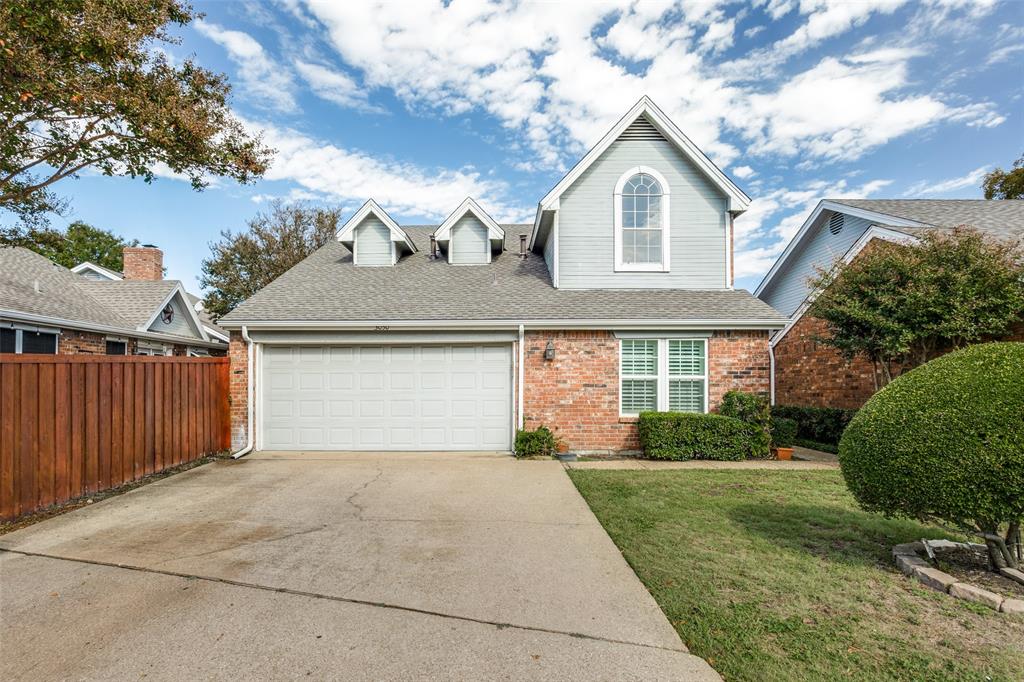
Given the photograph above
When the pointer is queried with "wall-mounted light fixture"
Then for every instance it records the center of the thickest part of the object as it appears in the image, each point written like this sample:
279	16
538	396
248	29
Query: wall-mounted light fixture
549	351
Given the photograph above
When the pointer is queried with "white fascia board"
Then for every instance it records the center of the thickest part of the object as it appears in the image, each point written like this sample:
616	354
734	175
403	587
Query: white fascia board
738	199
837	207
31	318
873	232
179	291
346	233
98	269
210	331
603	324
469	205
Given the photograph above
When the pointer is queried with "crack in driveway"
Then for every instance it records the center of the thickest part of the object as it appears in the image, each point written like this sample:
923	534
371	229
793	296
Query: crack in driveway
346	600
351	499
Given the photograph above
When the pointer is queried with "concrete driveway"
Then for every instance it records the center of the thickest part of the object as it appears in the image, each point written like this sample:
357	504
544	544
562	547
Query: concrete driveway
345	566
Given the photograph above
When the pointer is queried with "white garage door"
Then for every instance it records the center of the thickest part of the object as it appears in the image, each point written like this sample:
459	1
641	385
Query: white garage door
444	397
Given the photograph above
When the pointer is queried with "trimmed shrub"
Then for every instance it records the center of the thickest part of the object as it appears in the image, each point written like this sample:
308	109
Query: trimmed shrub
945	442
754	410
819	424
684	435
540	442
783	432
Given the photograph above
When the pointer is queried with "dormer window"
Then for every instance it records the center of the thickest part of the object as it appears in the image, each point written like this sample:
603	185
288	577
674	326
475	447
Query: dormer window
469	235
642	221
374	238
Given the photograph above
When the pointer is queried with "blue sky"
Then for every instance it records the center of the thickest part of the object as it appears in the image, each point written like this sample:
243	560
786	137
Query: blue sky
421	104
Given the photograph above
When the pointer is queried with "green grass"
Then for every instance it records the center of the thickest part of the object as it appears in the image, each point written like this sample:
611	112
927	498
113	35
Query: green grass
780	576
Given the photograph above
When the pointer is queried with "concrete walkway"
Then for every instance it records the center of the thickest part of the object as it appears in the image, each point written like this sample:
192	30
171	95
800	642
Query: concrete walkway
354	566
650	465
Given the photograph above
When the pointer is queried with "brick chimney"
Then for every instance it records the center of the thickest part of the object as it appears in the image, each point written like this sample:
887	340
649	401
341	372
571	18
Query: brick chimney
144	262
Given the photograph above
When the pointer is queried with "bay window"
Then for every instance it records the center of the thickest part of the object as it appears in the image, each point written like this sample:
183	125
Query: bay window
664	374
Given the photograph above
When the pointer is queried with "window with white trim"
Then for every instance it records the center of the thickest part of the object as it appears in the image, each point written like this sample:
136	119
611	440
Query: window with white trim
28	340
642	221
663	374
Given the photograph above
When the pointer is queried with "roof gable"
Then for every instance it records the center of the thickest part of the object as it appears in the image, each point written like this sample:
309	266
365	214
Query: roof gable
86	267
346	235
654	122
806	232
469	207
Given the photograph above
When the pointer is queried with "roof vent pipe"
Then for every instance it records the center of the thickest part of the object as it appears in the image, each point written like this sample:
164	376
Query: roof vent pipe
522	246
433	247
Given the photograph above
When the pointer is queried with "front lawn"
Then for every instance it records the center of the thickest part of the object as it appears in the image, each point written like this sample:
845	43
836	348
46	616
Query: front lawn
778	575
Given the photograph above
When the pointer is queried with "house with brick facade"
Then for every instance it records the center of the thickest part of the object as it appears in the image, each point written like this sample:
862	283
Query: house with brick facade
89	309
617	298
807	372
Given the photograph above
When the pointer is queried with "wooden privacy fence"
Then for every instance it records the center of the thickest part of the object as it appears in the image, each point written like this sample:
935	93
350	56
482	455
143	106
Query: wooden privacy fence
76	424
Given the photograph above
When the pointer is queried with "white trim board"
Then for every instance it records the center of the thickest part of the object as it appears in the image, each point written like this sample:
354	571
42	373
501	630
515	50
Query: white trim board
469	206
738	201
346	235
873	232
98	269
837	207
440	325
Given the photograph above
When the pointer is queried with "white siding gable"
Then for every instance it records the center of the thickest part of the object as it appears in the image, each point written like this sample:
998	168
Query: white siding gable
698	220
789	287
373	243
180	324
469	243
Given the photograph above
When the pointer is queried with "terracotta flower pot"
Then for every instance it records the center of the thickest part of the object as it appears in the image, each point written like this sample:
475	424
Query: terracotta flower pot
783	454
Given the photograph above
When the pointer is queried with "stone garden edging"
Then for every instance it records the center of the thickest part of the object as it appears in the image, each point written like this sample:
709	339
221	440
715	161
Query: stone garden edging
910	563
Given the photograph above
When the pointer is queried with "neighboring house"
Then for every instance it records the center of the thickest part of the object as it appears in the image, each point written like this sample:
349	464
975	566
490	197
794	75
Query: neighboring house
618	298
807	372
46	308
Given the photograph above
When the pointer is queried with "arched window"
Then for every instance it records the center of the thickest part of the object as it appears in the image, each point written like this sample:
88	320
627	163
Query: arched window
641	221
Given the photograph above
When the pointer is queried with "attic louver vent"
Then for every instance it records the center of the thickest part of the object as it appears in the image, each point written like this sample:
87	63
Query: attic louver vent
835	223
641	129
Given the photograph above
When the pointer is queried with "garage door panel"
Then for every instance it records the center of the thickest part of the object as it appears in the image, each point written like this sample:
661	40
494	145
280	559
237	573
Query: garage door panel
382	397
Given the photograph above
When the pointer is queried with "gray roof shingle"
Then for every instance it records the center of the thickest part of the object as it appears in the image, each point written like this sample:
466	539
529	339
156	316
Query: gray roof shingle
326	286
1002	218
32	284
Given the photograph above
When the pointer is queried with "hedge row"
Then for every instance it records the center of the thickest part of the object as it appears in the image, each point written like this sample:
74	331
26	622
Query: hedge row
683	435
820	424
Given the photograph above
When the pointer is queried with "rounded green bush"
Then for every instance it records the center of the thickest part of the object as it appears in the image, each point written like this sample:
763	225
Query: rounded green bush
944	441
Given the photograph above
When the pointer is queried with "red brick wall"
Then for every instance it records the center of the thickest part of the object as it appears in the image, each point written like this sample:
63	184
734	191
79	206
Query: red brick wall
72	342
810	373
577	393
238	372
143	263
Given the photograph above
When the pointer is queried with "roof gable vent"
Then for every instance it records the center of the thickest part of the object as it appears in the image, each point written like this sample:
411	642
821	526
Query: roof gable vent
641	129
835	223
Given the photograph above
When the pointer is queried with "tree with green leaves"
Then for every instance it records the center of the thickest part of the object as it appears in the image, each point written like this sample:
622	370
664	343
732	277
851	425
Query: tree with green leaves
85	84
902	305
78	243
243	263
1000	184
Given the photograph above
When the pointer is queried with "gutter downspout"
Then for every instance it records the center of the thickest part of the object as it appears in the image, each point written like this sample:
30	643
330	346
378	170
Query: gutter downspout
771	373
519	382
250	408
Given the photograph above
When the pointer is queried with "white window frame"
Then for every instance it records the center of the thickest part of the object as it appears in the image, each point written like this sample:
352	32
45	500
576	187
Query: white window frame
662	386
666	256
20	329
118	339
153	349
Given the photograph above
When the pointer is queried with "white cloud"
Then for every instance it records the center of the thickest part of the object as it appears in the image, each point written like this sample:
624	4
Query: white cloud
972	179
334	86
327	172
560	74
744	172
269	84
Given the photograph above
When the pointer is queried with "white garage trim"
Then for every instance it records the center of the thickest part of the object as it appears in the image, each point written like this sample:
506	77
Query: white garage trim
345	396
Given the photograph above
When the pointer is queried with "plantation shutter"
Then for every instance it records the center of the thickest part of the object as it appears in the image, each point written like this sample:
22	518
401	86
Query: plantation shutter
639	364
686	375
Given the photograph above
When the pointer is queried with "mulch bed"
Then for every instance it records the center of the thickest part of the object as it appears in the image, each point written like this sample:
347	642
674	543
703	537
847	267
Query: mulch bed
971	566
